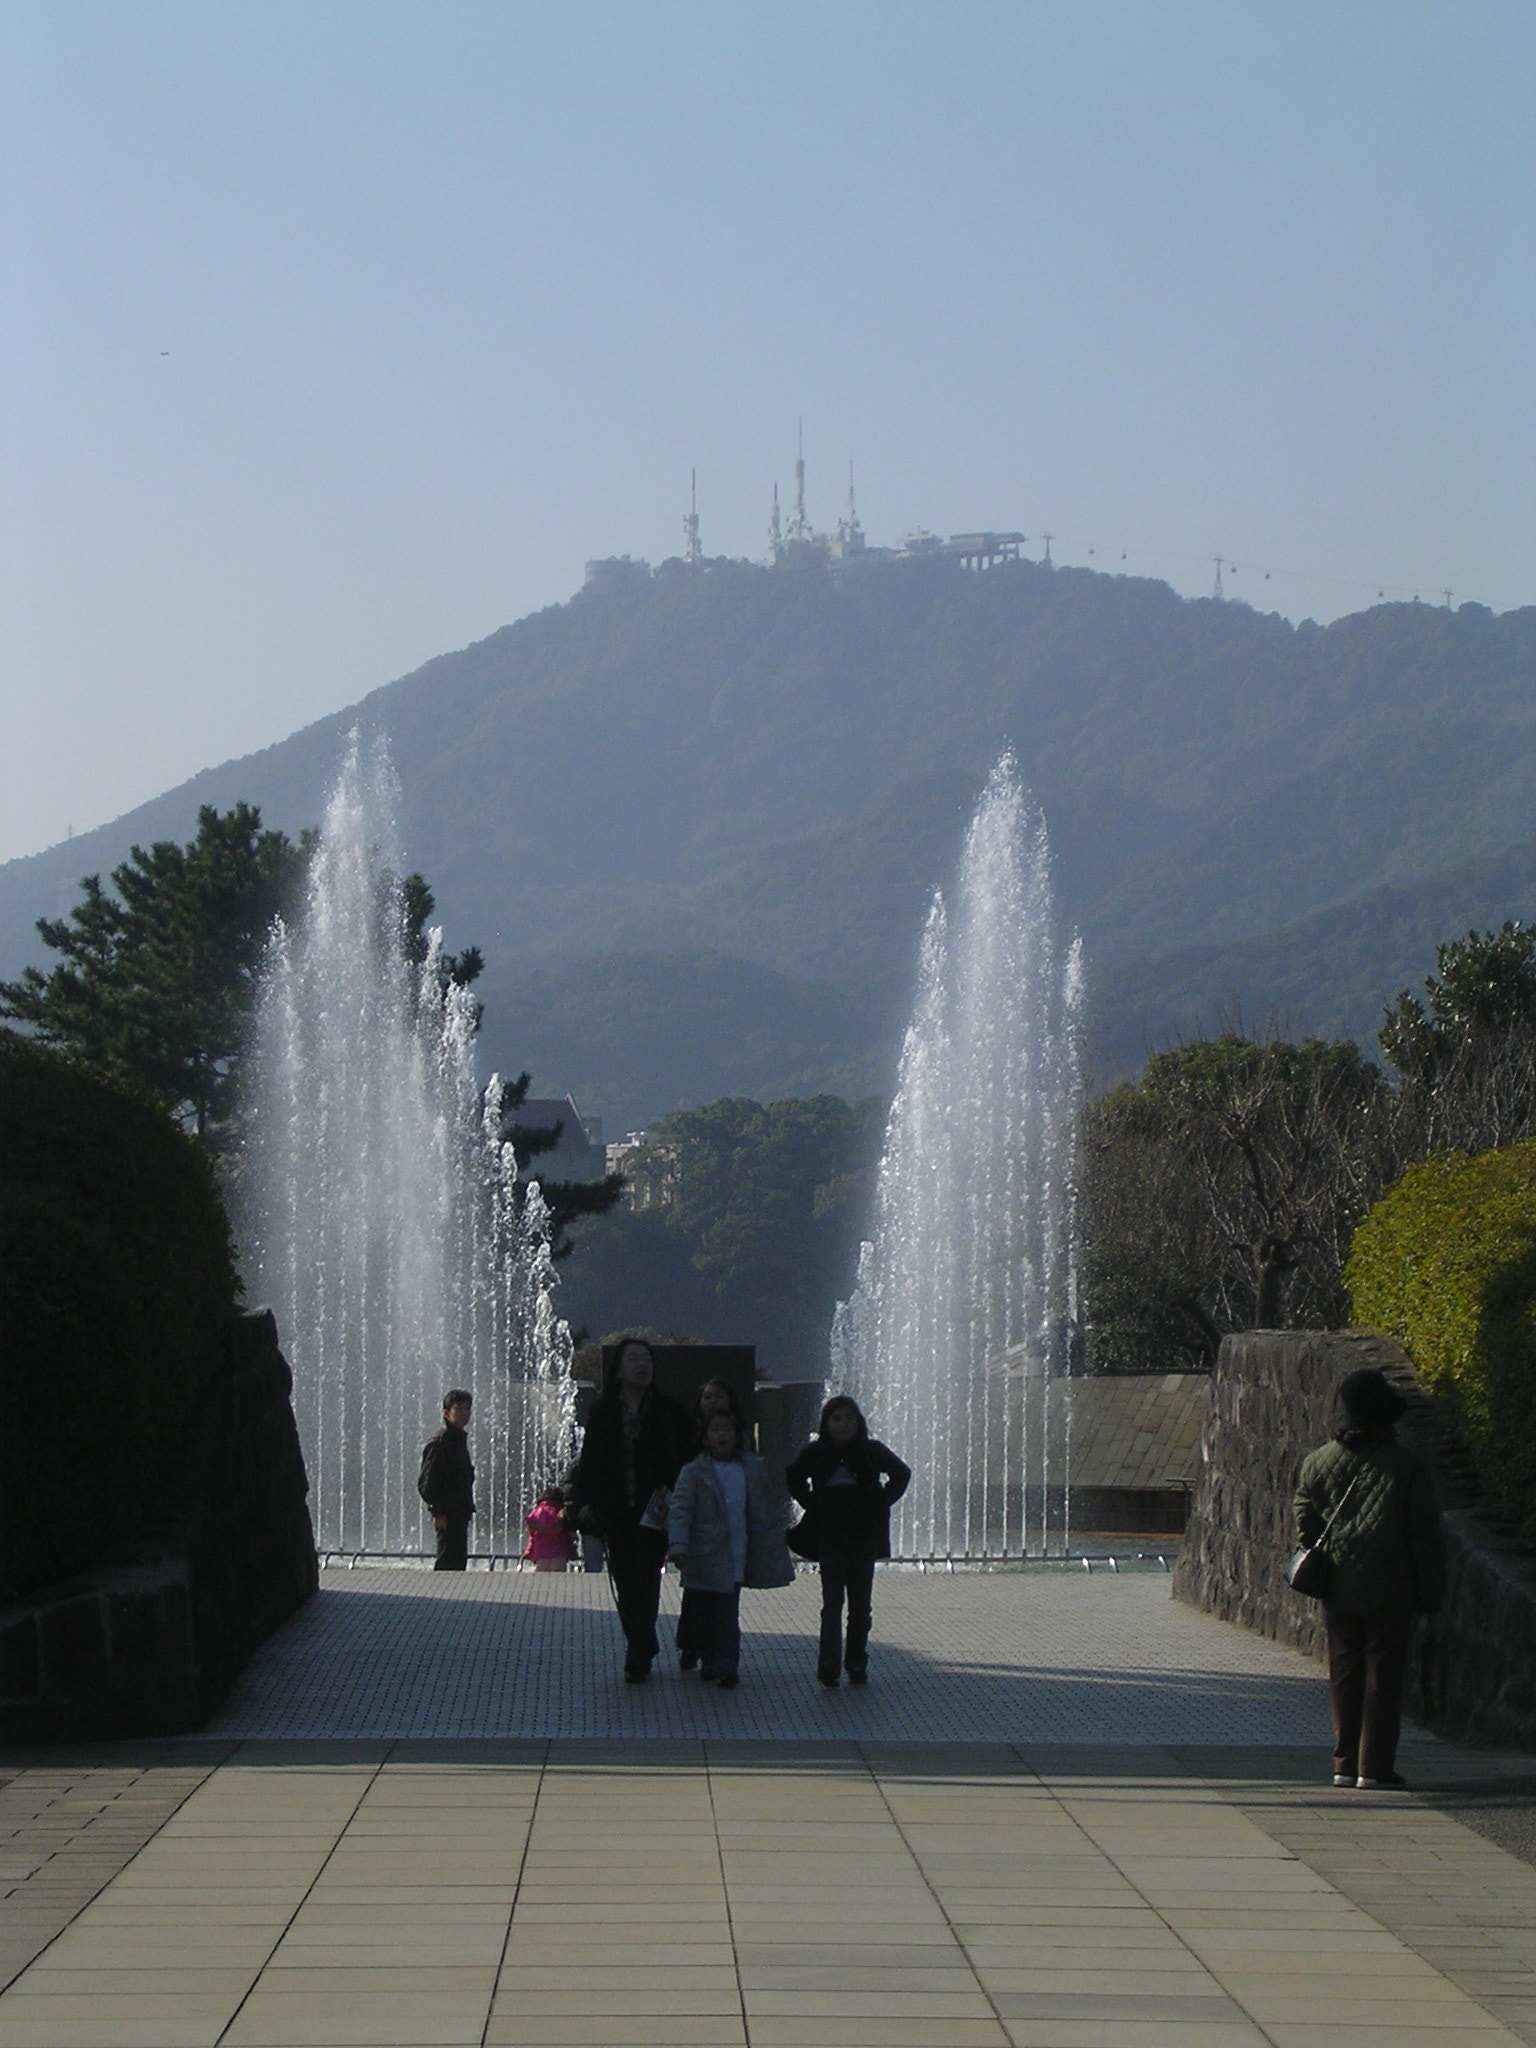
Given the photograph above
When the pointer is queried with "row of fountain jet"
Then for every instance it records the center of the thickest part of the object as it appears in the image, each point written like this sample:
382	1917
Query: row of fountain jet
380	1211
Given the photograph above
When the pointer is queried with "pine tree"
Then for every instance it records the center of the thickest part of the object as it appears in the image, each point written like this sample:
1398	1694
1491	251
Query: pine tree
155	983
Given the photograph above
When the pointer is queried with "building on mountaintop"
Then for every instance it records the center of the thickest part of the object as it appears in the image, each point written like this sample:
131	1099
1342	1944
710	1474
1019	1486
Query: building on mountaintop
617	572
798	544
795	543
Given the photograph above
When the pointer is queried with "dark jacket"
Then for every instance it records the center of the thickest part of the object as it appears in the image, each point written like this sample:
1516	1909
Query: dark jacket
856	1517
1387	1545
447	1478
611	1486
699	1530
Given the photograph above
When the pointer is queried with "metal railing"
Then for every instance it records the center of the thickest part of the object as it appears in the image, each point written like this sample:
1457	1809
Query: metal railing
509	1561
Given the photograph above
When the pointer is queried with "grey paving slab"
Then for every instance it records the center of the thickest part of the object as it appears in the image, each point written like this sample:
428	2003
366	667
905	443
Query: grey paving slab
823	1903
1463	1903
67	1831
771	1869
968	1657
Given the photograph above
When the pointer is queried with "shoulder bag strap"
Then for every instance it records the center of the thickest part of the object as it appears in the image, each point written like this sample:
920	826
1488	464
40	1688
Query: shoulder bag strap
1343	1497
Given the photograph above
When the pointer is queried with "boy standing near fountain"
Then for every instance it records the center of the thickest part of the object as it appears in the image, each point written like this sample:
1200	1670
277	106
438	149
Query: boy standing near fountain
447	1482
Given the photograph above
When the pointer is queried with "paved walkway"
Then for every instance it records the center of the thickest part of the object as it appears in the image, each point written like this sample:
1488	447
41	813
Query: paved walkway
969	1657
627	1889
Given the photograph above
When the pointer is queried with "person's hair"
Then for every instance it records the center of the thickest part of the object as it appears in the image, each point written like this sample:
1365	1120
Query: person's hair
553	1496
843	1401
726	1415
621	1345
701	1420
457	1397
1367	1406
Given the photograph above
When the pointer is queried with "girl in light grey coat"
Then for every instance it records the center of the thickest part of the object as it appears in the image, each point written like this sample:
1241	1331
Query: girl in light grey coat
725	1530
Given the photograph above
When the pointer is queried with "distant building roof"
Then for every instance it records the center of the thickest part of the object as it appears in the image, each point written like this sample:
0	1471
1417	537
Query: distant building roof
580	1144
1138	1430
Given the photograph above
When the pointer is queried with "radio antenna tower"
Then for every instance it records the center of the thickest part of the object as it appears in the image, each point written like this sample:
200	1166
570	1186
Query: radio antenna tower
1047	563
798	529
692	552
848	529
775	531
1218	593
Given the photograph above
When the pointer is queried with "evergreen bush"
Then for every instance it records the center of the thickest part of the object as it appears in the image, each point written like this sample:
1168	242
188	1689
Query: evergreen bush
116	1275
1446	1264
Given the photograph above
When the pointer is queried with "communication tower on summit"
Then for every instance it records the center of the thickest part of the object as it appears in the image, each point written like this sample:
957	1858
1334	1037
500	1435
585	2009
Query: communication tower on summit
692	552
798	529
1218	593
775	531
850	535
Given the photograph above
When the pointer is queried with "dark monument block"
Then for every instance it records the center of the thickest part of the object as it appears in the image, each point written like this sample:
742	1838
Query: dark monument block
681	1369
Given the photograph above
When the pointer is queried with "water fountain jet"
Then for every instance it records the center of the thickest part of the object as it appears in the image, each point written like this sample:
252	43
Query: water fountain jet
957	1338
379	1211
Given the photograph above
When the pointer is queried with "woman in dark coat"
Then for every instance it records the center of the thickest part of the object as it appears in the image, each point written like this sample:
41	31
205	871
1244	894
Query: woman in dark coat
847	1483
1387	1546
634	1445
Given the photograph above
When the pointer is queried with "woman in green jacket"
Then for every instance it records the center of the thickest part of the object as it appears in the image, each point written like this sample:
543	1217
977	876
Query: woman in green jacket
1387	1545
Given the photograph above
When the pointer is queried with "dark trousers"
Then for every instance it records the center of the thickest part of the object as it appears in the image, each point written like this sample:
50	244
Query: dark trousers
690	1622
718	1625
452	1547
634	1565
1367	1662
845	1574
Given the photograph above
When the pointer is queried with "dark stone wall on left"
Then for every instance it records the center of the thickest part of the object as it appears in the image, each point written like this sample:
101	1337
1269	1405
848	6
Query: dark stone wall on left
151	1648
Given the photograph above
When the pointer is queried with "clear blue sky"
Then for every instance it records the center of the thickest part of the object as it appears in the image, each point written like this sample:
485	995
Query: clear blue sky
336	335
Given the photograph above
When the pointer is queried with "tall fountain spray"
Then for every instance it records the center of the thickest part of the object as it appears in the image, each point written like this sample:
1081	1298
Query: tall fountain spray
956	1341
379	1209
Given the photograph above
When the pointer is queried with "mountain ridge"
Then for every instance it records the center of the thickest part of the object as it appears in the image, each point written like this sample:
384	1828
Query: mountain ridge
775	767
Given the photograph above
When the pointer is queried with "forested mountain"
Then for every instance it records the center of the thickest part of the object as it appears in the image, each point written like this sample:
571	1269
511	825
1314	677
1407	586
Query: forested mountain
694	820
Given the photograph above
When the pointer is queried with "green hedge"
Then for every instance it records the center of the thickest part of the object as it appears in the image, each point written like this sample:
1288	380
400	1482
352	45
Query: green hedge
1446	1264
116	1275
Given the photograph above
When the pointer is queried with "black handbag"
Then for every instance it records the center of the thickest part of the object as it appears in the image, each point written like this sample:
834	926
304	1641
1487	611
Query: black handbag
1310	1571
802	1539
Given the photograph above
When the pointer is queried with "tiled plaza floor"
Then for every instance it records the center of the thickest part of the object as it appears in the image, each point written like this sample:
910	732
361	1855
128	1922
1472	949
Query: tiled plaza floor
972	1657
625	1889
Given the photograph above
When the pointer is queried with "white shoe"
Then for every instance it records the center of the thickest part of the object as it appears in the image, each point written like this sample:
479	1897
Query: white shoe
1342	1778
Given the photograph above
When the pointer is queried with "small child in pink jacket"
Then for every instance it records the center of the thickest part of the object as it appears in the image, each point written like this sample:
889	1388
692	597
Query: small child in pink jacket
550	1545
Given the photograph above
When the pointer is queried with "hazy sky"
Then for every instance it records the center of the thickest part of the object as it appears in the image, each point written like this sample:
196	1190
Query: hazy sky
335	336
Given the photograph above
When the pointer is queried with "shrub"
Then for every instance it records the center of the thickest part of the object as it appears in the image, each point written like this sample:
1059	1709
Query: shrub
116	1274
1446	1264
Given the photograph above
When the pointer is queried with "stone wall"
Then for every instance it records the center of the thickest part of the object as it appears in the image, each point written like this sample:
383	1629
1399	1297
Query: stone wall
1270	1401
151	1646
